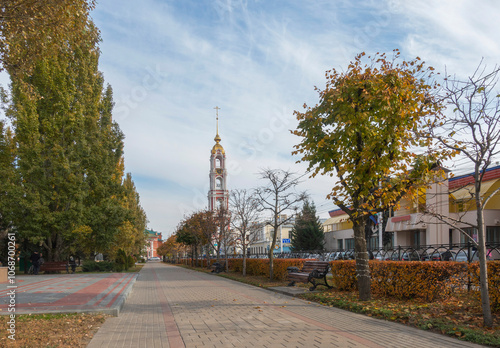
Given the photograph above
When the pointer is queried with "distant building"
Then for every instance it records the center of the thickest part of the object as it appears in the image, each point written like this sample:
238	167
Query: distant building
263	239
153	241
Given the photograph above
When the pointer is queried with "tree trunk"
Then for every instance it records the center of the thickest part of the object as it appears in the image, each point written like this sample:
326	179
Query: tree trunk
362	266
244	270
207	255
483	266
270	254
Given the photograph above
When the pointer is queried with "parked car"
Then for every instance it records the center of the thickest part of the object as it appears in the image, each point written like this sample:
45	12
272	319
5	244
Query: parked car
380	255
463	256
432	256
154	258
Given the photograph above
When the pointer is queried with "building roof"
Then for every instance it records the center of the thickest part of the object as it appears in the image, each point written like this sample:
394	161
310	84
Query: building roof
464	180
218	146
152	233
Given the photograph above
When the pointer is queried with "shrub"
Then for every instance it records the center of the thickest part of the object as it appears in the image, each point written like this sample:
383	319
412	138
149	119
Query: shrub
344	275
493	282
403	279
414	279
94	266
123	261
260	267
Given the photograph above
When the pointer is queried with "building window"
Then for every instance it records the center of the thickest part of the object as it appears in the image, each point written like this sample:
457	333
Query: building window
493	234
416	239
349	243
218	162
470	231
218	183
340	244
372	243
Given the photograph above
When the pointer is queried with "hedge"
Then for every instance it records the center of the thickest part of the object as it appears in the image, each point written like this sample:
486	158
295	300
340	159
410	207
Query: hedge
260	267
423	280
493	282
399	279
414	279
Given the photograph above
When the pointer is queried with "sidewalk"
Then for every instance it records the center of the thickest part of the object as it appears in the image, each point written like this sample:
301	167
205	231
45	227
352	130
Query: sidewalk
175	307
67	293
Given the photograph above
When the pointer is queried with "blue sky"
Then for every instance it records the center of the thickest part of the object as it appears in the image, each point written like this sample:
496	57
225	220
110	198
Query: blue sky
170	62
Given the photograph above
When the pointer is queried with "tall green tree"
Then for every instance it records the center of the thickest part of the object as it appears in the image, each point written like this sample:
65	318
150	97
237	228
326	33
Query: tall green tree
9	180
307	233
365	130
104	211
131	237
69	151
8	187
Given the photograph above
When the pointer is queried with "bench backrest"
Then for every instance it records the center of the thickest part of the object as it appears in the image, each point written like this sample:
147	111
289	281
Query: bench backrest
49	264
310	266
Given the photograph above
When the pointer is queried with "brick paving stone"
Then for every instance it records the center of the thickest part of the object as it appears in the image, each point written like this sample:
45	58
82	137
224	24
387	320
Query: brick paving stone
67	293
175	307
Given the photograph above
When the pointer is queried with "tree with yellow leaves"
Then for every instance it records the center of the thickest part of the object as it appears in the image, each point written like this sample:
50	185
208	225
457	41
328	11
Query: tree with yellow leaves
365	130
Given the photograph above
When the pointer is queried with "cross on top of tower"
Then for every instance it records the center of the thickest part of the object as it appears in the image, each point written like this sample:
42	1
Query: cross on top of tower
217	137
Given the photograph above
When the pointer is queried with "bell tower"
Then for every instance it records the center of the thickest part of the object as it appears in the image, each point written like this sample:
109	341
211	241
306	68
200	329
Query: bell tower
218	196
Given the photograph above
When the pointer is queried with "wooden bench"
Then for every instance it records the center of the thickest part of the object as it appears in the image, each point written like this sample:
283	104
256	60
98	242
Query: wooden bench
311	272
54	266
218	267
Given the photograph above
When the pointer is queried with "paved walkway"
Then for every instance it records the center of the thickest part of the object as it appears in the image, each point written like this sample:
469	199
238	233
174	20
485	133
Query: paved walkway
67	293
174	307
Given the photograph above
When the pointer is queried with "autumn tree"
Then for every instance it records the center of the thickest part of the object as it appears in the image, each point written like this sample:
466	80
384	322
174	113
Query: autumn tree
33	29
170	248
278	197
225	239
364	131
473	130
191	232
244	219
307	233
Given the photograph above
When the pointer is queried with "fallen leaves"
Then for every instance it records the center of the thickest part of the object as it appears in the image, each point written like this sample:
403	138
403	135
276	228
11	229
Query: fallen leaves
53	330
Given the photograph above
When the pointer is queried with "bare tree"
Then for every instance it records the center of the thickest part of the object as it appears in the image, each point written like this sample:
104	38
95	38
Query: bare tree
225	239
277	197
245	214
473	131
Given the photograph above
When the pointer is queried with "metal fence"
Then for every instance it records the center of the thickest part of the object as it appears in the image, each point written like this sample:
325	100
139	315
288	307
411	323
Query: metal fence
443	252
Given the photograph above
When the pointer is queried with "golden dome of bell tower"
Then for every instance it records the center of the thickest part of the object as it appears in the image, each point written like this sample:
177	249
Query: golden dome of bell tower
218	196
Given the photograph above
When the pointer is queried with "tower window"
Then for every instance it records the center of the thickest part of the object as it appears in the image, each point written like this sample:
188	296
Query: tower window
218	162
218	183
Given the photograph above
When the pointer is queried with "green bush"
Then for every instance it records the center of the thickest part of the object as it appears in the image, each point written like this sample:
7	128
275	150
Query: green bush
123	261
94	266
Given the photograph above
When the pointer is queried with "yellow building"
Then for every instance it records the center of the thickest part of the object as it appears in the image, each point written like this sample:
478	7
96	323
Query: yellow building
451	199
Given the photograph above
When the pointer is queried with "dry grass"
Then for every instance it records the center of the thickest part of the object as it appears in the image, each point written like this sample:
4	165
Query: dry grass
51	330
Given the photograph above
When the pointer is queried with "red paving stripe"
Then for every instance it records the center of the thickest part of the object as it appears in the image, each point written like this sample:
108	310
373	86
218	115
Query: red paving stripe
86	294
119	293
173	334
27	287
